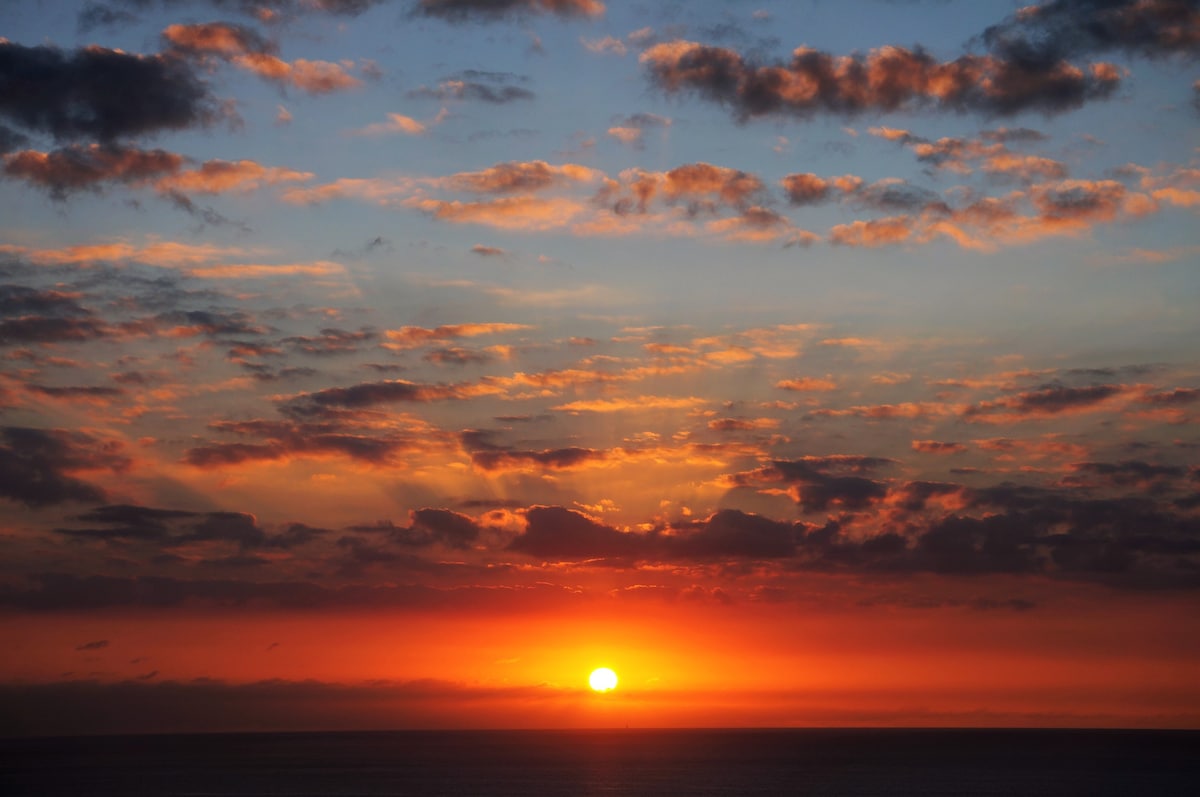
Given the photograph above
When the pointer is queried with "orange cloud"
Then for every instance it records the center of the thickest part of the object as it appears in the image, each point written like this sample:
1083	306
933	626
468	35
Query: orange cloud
518	176
396	123
807	384
314	77
319	268
508	213
217	176
631	404
414	337
877	232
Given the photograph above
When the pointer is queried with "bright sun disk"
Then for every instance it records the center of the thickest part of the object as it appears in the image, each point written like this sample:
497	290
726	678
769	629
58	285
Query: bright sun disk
603	679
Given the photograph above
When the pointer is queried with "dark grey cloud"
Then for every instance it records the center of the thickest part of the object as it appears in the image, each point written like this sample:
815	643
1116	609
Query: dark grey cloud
450	528
496	88
37	465
551	458
1050	31
122	12
333	341
98	644
97	94
281	440
175	527
466	10
895	196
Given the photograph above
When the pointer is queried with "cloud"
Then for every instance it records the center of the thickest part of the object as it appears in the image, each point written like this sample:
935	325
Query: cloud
170	528
887	79
450	528
396	123
553	532
937	447
819	484
99	94
216	38
519	177
488	251
701	187
1045	402
372	394
630	129
872	233
507	213
1066	28
631	404
465	10
548	459
608	44
808	189
415	337
74	168
489	87
37	466
98	644
806	384
220	176
247	50
285	441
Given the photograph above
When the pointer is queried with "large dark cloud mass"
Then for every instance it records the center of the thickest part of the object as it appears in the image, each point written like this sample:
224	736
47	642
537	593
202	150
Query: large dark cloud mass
888	79
1059	29
37	465
98	94
1026	67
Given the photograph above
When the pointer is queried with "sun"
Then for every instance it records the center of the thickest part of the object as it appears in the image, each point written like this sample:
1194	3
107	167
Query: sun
603	680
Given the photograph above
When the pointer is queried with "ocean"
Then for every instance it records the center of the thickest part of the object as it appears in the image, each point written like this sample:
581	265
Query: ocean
611	762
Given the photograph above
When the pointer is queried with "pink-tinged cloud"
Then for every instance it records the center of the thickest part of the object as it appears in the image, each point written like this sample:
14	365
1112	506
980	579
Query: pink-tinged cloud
907	409
75	168
373	189
873	233
159	253
313	77
633	404
319	268
743	424
760	225
608	44
807	384
396	123
215	38
518	177
1028	168
248	50
507	213
937	447
626	135
414	337
808	189
218	176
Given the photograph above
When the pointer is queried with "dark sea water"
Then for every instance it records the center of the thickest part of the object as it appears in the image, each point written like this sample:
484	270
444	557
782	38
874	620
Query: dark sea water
612	762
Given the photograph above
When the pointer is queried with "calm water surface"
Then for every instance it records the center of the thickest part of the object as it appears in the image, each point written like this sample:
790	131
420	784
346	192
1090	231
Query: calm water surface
614	762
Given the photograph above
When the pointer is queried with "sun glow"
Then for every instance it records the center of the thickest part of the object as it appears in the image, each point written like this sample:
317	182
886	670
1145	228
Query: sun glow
603	680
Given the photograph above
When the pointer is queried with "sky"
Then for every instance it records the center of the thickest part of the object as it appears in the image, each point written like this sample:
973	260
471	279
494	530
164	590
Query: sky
394	364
